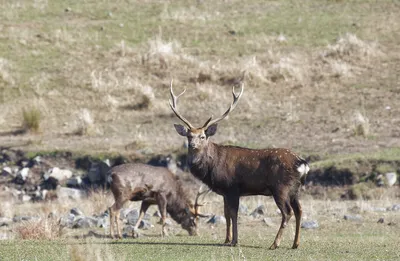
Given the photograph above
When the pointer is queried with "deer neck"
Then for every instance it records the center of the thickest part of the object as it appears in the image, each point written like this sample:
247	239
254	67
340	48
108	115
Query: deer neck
201	162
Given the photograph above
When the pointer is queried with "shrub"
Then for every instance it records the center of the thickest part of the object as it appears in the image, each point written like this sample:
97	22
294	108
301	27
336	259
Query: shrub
31	119
44	228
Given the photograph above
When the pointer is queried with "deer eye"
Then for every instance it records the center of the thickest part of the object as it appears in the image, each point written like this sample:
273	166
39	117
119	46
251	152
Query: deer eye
202	137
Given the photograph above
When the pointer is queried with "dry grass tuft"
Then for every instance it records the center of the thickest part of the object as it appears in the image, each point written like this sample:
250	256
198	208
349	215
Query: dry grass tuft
31	119
86	124
350	46
43	228
361	125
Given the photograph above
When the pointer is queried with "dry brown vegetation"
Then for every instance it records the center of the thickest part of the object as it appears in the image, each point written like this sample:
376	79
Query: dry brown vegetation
316	81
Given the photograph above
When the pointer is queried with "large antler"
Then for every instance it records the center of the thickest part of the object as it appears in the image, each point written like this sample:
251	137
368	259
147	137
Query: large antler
173	103
236	98
197	204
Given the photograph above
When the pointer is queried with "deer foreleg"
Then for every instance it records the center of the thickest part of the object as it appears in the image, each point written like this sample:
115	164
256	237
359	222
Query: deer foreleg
233	207
143	208
228	222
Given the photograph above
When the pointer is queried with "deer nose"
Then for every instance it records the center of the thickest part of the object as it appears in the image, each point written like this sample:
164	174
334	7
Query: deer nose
192	145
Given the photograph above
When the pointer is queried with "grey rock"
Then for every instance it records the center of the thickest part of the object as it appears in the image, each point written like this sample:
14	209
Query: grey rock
352	217
312	224
259	211
74	182
391	178
133	215
70	193
268	221
6	171
25	198
17	219
76	212
22	175
5	221
381	221
98	172
243	209
216	220
103	222
67	220
378	209
157	214
58	174
85	222
144	224
396	207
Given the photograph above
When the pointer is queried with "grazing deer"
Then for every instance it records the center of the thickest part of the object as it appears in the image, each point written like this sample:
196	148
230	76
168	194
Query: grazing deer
151	185
233	172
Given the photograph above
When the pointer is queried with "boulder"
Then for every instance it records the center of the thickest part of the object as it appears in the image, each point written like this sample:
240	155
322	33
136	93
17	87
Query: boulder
74	182
259	211
76	212
58	174
98	171
85	222
243	209
216	220
5	221
312	224
70	193
352	217
67	220
391	178
268	221
396	207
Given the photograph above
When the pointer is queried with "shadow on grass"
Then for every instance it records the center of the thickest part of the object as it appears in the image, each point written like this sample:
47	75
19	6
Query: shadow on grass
17	132
92	234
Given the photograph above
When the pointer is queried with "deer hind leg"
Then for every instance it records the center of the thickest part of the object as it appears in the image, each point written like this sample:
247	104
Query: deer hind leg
114	216
294	202
287	212
143	208
111	211
162	207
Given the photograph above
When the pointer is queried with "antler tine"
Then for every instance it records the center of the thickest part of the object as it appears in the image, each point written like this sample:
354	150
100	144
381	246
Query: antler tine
172	103
199	194
236	98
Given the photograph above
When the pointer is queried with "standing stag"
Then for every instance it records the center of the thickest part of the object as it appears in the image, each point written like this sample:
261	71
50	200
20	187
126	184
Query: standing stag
233	172
151	185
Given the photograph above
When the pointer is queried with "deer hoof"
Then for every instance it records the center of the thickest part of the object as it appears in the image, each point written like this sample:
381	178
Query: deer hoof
295	246
135	234
230	244
273	246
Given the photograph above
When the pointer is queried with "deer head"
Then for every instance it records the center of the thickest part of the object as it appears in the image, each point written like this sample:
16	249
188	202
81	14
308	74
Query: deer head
198	137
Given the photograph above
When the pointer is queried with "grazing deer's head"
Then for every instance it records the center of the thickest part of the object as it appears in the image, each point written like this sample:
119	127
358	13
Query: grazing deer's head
198	137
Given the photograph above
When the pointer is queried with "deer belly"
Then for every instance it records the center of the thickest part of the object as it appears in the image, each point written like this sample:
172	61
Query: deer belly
255	190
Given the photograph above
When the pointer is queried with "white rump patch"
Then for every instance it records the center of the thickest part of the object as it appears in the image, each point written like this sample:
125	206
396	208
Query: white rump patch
303	169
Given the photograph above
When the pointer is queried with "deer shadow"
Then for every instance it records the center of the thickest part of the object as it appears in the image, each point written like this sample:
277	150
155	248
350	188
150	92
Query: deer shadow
92	234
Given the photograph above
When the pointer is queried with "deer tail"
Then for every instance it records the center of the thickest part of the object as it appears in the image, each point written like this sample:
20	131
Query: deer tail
303	168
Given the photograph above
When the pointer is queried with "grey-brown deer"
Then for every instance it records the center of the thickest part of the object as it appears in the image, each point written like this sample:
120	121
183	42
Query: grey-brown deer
233	172
152	185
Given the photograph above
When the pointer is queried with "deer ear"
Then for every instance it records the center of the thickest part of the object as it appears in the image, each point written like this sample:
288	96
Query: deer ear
181	130
210	131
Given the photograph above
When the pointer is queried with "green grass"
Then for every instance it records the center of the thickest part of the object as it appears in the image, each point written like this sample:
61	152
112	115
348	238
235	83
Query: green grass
332	241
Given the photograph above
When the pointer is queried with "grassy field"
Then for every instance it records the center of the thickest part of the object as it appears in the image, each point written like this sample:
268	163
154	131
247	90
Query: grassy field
92	77
335	239
321	76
